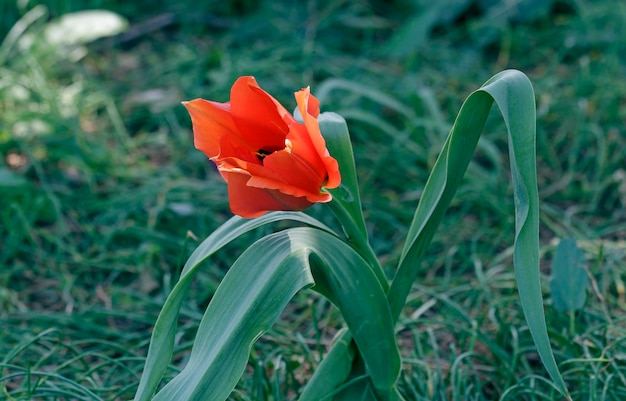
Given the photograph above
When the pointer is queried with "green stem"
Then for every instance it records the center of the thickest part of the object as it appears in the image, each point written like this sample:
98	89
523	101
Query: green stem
359	240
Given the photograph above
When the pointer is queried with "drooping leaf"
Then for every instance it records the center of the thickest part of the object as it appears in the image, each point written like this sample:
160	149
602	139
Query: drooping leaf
247	302
569	281
164	332
512	92
282	263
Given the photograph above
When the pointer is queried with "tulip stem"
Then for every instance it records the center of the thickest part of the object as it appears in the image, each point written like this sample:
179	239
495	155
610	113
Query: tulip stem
359	240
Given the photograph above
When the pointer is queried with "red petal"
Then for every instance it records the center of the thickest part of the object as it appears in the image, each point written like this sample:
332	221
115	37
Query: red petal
259	117
308	106
299	164
211	121
232	147
250	202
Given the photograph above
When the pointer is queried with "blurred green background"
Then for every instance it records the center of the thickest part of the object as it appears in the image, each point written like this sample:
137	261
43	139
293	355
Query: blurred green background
102	195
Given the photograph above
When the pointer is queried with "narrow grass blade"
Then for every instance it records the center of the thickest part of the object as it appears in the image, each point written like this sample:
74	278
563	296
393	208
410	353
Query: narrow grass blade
162	341
17	31
512	92
283	263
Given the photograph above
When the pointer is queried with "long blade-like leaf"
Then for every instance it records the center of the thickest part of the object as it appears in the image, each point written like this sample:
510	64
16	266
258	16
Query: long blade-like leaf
248	301
255	291
162	341
513	93
342	276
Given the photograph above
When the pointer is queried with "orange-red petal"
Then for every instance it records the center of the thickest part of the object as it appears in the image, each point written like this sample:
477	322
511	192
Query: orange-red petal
250	202
258	116
308	105
211	121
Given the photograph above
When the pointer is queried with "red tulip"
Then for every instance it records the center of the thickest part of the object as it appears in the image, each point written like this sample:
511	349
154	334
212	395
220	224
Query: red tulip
269	160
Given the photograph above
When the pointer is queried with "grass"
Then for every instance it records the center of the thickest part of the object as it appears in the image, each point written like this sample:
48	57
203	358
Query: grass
104	197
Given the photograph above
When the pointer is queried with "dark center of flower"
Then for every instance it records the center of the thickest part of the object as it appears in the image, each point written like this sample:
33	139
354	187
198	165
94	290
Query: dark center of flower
262	153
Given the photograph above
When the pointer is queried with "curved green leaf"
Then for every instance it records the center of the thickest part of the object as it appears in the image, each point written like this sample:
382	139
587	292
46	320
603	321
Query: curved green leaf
342	276
237	226
162	341
244	306
333	371
283	263
513	93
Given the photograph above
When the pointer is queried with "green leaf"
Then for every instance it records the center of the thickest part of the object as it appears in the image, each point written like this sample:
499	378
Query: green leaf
162	341
342	276
569	281
346	203
333	371
337	137
244	306
237	226
513	93
283	263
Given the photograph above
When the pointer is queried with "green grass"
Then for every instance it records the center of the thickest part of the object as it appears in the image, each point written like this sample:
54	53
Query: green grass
103	196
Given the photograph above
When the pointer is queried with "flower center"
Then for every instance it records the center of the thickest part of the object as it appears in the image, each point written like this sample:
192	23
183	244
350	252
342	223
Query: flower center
264	152
261	153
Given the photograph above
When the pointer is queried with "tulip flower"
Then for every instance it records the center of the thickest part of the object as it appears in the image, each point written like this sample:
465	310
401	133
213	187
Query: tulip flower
269	160
273	162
